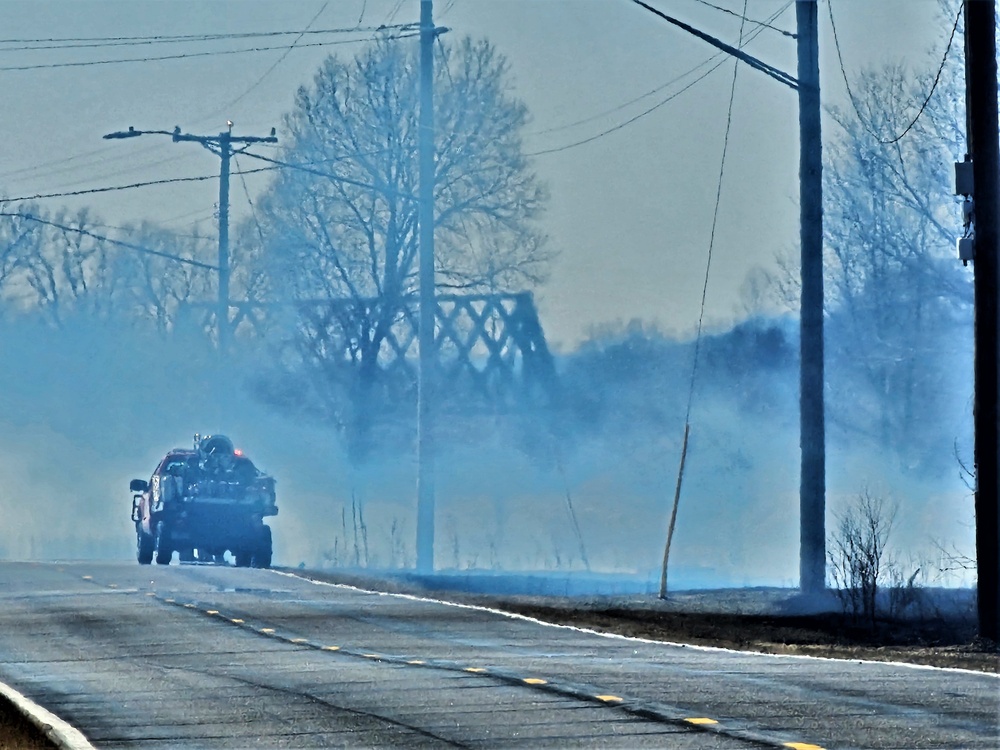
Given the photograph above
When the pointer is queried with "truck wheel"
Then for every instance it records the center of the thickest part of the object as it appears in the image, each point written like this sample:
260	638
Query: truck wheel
185	554
243	558
262	555
144	544
163	550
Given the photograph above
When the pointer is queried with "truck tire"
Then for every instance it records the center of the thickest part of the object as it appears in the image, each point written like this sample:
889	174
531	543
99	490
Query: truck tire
262	555
243	558
163	549
144	544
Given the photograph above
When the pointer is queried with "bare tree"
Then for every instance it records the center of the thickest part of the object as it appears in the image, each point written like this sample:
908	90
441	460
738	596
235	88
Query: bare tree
340	223
162	290
19	242
858	556
63	264
898	304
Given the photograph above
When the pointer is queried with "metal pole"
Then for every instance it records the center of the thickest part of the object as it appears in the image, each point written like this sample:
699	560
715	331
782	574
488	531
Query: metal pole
225	147
984	148
425	372
812	440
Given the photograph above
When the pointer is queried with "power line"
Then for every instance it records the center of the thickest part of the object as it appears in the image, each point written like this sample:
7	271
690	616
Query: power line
93	175
743	17
187	55
392	14
277	62
329	175
711	240
114	188
139	229
208	213
629	103
750	37
629	121
118	243
779	75
246	192
124	41
857	110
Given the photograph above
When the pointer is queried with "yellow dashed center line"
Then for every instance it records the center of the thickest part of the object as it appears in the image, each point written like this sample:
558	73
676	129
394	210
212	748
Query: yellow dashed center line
697	720
88	578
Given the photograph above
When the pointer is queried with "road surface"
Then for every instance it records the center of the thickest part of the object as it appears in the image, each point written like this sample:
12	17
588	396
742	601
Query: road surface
216	657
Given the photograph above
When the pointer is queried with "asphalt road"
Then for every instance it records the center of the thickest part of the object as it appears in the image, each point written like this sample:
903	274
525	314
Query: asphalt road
213	657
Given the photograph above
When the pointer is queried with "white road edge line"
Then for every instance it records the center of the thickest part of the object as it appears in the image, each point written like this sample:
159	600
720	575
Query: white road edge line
633	639
64	735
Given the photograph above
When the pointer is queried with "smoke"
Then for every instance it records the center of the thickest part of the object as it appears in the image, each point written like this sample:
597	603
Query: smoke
579	489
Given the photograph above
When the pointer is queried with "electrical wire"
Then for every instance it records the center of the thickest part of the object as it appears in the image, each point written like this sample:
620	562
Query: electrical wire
93	176
329	175
118	243
750	37
850	94
246	192
765	24
629	103
775	73
277	62
137	229
121	41
189	55
711	240
392	14
629	121
114	188
209	213
701	316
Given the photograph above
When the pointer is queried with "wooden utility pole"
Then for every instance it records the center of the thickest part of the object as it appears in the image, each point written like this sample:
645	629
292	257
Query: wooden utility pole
984	150
225	153
812	430
222	146
812	420
425	334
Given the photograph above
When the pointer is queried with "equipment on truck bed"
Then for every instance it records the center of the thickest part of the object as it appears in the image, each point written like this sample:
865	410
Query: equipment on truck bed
202	503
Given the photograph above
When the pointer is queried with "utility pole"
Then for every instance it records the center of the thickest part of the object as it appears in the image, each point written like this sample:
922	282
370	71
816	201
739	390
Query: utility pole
425	332
984	151
812	420
222	146
812	431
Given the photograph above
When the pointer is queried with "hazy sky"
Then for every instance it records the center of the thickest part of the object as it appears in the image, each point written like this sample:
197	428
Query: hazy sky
631	210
